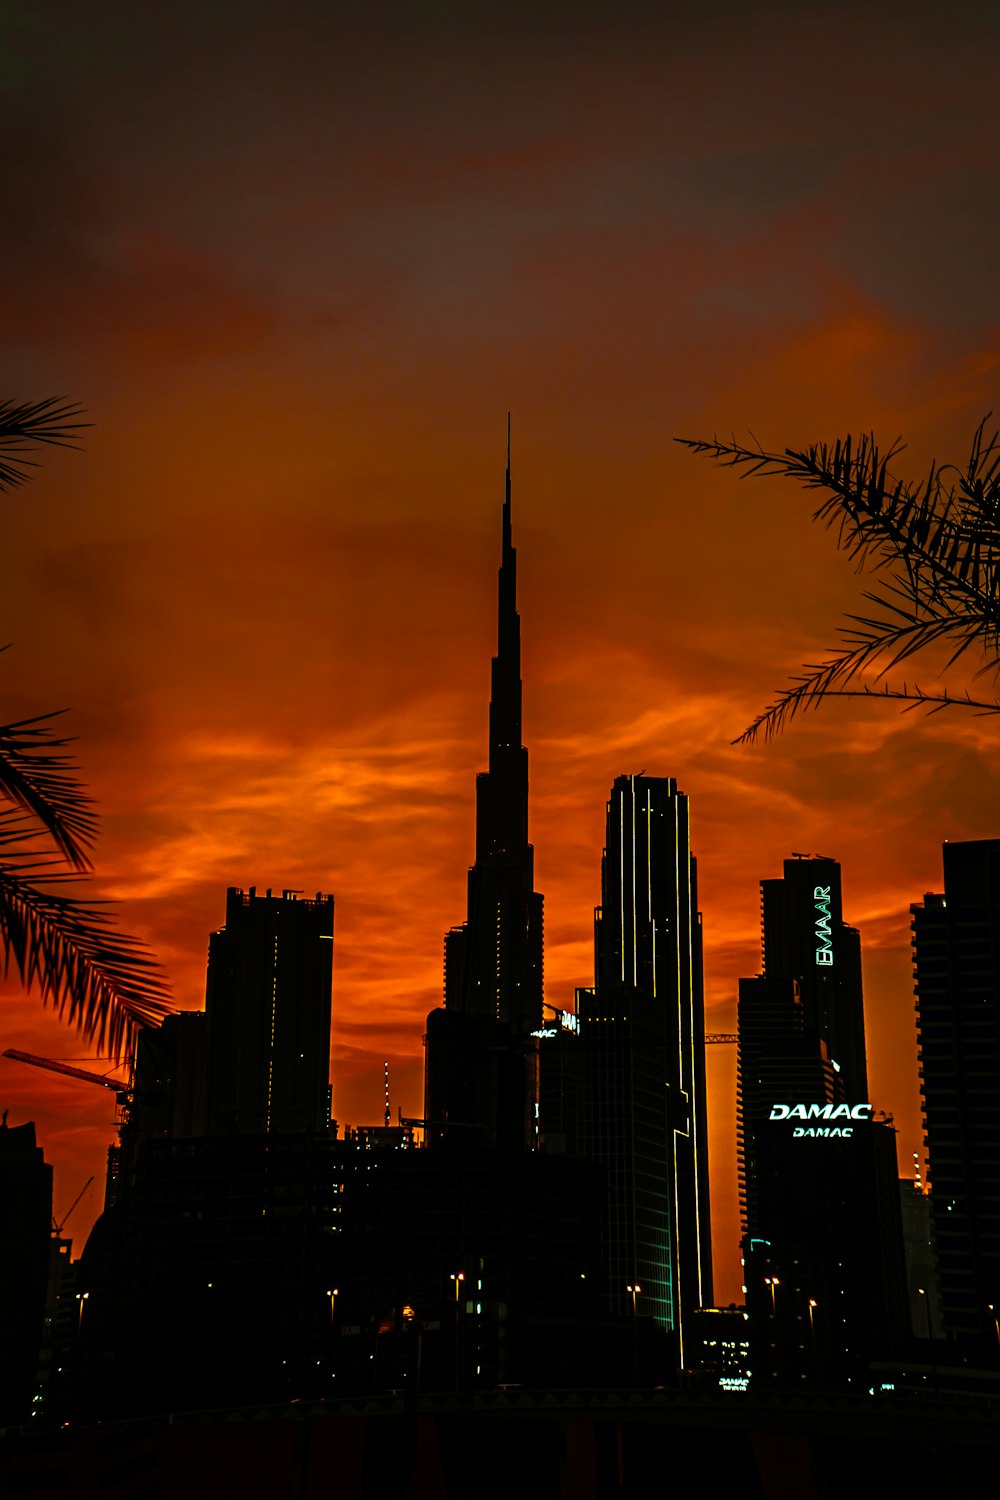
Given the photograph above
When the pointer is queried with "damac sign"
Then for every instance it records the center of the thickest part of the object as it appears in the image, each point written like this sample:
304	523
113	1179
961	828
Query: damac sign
824	937
848	1113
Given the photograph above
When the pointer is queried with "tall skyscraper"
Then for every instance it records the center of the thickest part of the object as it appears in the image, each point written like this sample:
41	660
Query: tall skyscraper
806	938
642	1031
207	1274
482	1060
822	1236
268	1007
956	951
779	1059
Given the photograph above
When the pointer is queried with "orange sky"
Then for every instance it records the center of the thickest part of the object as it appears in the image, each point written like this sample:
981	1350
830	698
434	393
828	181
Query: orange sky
298	261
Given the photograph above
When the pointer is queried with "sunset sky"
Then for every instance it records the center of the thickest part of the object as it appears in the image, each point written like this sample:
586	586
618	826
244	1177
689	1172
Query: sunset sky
298	261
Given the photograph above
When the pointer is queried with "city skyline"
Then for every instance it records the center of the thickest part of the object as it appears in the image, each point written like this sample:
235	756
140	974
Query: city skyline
725	1244
265	589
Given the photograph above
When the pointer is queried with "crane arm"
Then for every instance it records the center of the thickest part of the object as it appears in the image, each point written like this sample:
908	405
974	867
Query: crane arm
65	1068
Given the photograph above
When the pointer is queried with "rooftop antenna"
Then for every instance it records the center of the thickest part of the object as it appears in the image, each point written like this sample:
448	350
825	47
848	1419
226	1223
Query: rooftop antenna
506	497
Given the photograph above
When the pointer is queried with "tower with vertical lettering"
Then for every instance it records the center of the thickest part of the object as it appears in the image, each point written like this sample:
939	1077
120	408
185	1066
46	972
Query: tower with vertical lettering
805	938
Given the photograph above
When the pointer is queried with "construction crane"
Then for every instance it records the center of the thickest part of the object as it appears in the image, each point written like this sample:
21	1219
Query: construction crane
720	1038
122	1091
124	1097
57	1229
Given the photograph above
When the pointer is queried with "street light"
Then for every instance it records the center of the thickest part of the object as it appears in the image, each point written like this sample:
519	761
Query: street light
333	1294
922	1292
635	1290
772	1282
458	1277
81	1297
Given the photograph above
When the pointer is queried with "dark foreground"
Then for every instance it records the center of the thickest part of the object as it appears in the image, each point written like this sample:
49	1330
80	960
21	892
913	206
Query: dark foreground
526	1445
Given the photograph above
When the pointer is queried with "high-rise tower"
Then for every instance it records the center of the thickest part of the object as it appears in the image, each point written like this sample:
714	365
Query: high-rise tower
806	938
779	1059
956	951
642	1028
268	1008
481	1083
822	1238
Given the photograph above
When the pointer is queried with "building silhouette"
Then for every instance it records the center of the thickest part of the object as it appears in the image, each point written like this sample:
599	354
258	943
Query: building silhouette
205	1280
823	1257
805	938
779	1058
956	952
207	1269
921	1259
268	1007
481	1088
562	1082
25	1221
170	1080
642	1036
250	1254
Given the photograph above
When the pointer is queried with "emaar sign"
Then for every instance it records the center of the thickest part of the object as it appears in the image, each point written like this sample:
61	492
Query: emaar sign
827	1113
824	937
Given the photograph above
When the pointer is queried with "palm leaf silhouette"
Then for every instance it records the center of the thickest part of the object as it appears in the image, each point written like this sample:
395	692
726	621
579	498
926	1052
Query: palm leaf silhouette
103	981
934	546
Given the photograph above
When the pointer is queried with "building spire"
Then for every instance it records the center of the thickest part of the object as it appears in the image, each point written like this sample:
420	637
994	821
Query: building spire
502	791
508	548
505	816
481	1052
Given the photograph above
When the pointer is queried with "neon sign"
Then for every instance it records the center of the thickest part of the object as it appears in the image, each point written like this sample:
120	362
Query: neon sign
820	1112
824	937
826	1112
565	1020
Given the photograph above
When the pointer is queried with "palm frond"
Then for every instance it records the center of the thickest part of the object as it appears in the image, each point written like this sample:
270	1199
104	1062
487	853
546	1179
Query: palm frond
26	425
104	982
43	783
806	695
935	545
